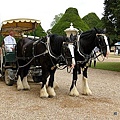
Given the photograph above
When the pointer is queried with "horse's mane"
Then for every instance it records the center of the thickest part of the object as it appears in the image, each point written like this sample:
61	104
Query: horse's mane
87	41
88	35
56	43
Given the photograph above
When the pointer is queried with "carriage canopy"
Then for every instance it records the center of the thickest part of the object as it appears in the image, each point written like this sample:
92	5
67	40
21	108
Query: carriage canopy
18	25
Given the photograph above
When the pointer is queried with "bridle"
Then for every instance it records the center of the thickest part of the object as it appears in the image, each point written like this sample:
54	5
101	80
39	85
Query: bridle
65	56
101	46
88	56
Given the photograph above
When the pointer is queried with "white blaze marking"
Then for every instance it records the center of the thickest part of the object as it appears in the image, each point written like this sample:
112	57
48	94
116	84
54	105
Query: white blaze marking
106	41
71	47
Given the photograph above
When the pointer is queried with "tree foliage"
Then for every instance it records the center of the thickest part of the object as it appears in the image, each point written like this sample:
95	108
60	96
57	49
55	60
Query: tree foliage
56	19
39	32
112	18
71	16
1	39
92	20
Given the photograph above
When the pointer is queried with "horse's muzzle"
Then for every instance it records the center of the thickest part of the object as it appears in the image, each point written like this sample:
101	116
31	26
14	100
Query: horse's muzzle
72	66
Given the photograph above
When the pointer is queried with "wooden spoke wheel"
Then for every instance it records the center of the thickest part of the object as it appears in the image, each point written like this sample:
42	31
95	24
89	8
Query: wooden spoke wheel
9	77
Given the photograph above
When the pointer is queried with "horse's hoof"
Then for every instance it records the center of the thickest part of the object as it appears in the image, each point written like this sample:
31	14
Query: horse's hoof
27	88
19	88
51	92
87	92
44	96
74	92
51	96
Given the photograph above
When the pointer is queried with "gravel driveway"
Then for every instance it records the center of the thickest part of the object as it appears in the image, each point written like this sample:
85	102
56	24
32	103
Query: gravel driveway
104	104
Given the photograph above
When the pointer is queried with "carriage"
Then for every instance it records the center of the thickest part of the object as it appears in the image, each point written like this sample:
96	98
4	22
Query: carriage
56	48
8	59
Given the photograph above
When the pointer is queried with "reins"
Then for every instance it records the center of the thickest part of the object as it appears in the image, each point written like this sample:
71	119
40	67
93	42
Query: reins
32	58
95	56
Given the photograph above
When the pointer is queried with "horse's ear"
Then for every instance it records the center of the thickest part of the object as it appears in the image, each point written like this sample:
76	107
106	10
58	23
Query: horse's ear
100	31
96	30
104	30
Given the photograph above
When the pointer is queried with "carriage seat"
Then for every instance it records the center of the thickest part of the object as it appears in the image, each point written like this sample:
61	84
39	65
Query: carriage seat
10	57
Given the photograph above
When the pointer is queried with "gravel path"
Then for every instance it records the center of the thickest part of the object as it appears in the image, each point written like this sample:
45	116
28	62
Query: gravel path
104	104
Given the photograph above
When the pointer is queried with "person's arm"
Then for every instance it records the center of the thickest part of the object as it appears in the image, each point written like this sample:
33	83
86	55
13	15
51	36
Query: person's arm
14	42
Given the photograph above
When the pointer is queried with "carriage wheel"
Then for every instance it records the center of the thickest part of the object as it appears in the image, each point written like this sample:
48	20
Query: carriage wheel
2	61
3	73
8	79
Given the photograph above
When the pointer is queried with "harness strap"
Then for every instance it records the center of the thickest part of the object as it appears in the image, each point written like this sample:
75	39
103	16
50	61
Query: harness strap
85	56
50	51
78	46
32	58
52	55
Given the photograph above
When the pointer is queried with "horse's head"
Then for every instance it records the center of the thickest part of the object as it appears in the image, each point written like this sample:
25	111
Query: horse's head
61	48
68	54
102	42
68	51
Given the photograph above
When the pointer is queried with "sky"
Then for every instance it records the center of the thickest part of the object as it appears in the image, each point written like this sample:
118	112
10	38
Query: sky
45	10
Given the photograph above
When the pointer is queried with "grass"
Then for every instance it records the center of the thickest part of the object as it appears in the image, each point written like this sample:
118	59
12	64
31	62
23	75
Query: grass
112	66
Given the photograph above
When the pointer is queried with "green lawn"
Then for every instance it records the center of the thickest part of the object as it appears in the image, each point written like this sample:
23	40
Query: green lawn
112	66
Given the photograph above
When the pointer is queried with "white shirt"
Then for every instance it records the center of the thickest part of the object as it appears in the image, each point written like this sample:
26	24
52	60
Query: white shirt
9	43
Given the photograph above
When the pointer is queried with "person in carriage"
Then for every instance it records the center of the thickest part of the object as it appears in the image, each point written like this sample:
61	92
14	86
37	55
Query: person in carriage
9	42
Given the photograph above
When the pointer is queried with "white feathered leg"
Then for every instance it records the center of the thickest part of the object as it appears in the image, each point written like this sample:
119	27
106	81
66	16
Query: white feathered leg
85	87
19	84
25	84
74	91
51	91
43	92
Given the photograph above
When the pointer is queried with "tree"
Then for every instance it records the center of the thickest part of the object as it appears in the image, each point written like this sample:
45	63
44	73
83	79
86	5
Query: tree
112	18
1	40
92	20
39	32
56	19
71	16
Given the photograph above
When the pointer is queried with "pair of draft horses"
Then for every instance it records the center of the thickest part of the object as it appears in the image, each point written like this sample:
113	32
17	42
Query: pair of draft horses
51	51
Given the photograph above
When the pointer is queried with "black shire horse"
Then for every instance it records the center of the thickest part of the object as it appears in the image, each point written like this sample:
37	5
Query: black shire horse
86	42
46	53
